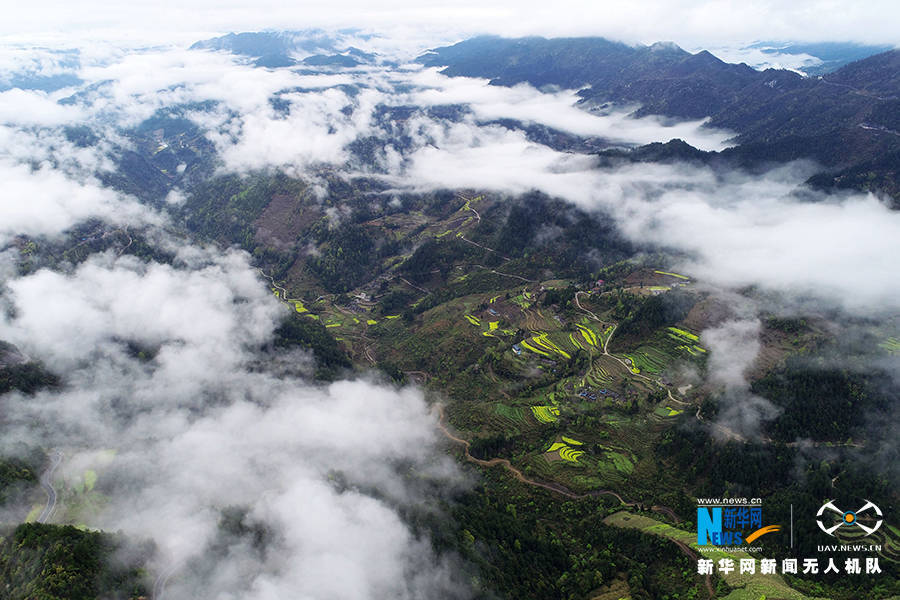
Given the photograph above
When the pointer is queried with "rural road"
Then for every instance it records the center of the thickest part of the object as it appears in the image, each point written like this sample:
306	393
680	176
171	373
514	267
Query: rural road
578	304
47	484
553	487
710	590
559	489
496	272
159	586
626	365
281	291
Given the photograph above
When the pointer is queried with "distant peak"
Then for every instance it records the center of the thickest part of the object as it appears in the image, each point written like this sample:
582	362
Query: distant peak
707	57
665	47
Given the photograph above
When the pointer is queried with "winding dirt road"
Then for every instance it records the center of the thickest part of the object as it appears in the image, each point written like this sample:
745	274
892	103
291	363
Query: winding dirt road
562	490
496	272
414	286
47	484
694	556
628	367
578	304
159	585
553	487
282	292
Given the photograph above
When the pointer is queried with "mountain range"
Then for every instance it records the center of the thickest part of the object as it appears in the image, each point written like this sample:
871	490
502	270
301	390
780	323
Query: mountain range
848	121
278	267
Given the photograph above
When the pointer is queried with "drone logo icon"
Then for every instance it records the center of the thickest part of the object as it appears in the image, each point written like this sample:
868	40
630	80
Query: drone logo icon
848	518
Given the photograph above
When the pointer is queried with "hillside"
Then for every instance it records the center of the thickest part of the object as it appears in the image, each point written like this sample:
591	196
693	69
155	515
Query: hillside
304	322
846	120
64	563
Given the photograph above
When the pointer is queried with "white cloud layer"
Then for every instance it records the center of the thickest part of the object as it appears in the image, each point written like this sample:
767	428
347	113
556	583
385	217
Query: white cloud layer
558	110
684	21
737	229
198	426
196	430
318	115
44	201
733	346
28	107
756	58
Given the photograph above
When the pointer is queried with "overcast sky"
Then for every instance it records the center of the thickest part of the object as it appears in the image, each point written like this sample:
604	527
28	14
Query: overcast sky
688	22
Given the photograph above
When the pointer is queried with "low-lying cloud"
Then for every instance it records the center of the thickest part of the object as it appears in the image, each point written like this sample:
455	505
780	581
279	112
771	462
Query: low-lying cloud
43	201
161	362
737	229
195	429
559	110
320	114
734	346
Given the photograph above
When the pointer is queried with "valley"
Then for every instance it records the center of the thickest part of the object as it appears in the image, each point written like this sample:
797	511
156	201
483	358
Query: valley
296	313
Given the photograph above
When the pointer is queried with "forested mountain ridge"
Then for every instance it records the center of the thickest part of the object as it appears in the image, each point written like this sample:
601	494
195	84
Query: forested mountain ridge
54	562
846	121
273	49
569	330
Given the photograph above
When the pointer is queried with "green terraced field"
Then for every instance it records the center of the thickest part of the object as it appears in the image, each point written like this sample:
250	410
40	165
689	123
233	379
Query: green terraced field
672	274
622	463
887	537
682	335
512	413
597	376
892	345
545	414
590	338
651	359
543	341
566	452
